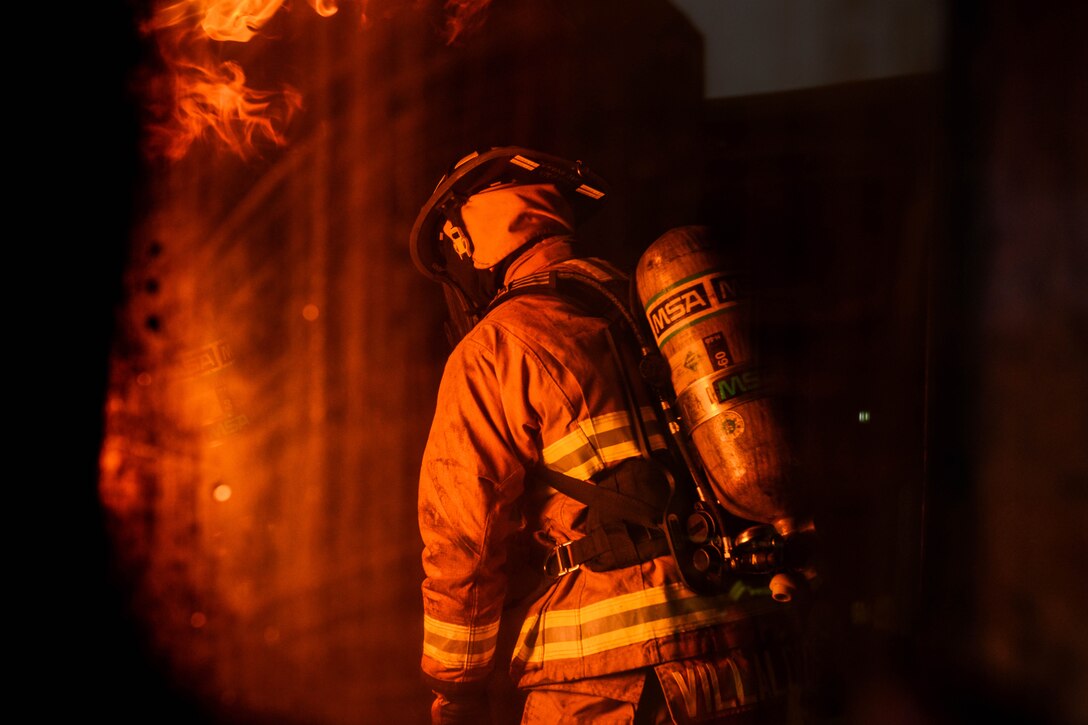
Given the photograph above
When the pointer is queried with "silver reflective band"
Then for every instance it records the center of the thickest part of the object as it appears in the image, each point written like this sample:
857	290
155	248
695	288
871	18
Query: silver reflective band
524	163
589	191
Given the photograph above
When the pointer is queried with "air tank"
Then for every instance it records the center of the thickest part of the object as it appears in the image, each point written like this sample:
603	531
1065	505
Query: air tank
698	302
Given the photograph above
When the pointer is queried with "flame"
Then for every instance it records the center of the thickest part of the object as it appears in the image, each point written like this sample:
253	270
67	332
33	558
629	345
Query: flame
217	101
463	16
237	20
324	8
199	94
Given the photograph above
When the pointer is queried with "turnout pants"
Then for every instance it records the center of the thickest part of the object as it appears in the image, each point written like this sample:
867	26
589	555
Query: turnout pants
743	687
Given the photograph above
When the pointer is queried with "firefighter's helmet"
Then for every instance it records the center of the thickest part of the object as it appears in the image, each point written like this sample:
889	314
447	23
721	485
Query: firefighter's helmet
439	242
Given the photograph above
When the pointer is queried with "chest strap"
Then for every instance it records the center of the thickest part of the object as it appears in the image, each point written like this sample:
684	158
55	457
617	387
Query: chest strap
614	545
624	529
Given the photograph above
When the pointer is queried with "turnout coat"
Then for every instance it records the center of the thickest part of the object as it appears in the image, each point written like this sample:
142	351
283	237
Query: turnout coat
535	384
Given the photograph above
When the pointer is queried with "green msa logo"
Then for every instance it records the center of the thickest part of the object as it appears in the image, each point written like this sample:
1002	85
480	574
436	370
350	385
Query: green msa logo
734	386
681	304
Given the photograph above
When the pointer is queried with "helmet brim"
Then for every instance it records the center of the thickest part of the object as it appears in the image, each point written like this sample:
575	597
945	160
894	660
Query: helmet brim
585	190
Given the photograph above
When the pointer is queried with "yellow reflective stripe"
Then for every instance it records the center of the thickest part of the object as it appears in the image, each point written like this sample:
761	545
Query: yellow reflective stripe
457	646
620	621
565	446
599	441
616	605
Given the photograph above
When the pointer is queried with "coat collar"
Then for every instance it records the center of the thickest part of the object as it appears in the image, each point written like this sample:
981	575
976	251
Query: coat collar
541	255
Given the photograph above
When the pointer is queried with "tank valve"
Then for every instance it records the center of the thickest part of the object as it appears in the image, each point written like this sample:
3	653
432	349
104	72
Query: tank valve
783	587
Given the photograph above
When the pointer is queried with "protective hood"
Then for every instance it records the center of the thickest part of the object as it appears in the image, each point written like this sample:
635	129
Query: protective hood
502	220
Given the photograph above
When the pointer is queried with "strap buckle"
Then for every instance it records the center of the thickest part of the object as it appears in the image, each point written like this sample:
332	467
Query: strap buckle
560	562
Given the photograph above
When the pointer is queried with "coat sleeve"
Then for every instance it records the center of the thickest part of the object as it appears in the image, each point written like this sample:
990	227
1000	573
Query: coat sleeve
484	436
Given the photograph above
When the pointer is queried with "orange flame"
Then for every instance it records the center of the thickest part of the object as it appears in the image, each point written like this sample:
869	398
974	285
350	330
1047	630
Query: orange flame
199	94
463	16
237	20
324	8
217	101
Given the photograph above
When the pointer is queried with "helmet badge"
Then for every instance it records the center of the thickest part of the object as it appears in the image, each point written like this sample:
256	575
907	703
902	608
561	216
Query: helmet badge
462	245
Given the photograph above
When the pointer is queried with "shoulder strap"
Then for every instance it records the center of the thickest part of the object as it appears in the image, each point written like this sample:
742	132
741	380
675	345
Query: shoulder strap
599	297
622	506
572	285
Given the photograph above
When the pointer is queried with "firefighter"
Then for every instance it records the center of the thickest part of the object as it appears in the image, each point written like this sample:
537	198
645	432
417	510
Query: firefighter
538	382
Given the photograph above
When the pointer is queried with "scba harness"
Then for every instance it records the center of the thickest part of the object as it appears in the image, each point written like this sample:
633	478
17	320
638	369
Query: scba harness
623	526
646	506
